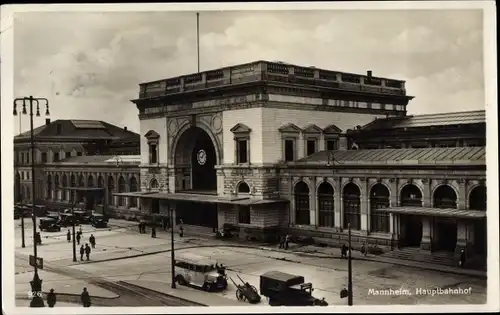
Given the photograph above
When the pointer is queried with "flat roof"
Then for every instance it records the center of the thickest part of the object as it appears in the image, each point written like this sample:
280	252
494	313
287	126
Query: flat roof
423	156
438	212
203	198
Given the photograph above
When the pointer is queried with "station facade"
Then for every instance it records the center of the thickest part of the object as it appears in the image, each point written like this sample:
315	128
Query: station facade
272	148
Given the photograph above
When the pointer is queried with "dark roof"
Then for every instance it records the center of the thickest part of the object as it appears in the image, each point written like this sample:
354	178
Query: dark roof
456	118
81	129
425	156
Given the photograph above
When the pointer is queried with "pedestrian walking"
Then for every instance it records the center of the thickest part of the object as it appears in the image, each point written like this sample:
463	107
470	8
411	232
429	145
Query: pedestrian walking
363	249
141	227
343	251
82	251
51	298
85	298
462	258
153	232
287	240
282	241
78	238
68	236
92	240
181	228
80	231
87	251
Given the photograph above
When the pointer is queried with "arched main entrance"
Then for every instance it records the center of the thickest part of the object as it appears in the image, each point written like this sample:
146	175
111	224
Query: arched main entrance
477	201
195	154
445	230
352	206
195	158
379	199
326	207
411	225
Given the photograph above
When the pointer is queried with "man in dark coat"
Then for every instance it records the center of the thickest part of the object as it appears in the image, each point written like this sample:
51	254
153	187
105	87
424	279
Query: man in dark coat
87	251
92	240
287	240
140	227
282	241
343	251
462	258
38	238
82	251
78	238
68	236
85	297
51	298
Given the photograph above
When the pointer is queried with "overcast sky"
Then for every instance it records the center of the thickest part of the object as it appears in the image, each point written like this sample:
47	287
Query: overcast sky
89	65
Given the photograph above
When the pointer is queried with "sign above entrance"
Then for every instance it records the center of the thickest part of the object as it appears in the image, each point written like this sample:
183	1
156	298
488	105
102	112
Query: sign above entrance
202	157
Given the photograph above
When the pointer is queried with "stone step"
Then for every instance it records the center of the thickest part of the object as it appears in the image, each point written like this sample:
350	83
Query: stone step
416	254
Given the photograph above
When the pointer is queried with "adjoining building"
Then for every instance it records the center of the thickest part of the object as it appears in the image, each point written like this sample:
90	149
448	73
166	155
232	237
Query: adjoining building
66	154
272	147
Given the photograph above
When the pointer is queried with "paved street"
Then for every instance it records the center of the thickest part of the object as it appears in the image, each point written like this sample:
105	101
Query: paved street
327	275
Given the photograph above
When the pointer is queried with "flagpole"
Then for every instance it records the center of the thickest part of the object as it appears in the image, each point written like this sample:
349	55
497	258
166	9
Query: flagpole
198	38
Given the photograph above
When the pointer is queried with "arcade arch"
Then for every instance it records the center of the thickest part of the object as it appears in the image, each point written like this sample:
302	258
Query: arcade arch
445	197
49	186
111	188
57	187
379	198
411	196
121	189
411	225
477	198
352	206
133	188
72	192
100	184
65	184
302	207
243	188
326	206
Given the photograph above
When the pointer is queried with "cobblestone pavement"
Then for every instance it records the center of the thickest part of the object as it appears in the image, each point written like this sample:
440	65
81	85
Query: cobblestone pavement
328	275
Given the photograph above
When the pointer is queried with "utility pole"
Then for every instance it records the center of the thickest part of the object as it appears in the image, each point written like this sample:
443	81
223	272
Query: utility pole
349	270
198	39
172	253
73	192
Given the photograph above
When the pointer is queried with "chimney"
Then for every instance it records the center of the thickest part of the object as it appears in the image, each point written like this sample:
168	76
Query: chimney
125	128
369	73
59	127
47	121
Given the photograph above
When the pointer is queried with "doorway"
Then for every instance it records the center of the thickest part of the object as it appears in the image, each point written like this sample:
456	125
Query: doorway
447	236
413	226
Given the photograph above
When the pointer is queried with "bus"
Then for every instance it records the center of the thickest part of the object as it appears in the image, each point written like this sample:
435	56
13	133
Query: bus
199	271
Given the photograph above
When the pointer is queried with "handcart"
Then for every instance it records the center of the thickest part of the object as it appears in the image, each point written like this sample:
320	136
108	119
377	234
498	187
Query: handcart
246	292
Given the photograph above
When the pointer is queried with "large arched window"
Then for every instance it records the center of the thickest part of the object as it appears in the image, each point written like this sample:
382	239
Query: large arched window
477	198
49	187
121	189
65	186
72	192
111	189
301	194
445	197
90	181
326	205
81	183
379	199
100	196
352	206
57	187
133	188
411	196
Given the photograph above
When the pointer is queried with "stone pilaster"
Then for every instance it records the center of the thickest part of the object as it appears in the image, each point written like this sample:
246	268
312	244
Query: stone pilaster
462	194
394	199
365	205
313	203
426	242
462	237
338	202
427	197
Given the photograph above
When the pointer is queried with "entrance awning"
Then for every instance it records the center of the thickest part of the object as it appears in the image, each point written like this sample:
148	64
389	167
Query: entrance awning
467	214
201	198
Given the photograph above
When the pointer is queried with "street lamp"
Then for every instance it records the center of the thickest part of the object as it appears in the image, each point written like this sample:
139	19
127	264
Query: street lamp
36	283
172	257
73	192
349	270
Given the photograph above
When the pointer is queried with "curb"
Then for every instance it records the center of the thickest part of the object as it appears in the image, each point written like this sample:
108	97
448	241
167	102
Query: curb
23	297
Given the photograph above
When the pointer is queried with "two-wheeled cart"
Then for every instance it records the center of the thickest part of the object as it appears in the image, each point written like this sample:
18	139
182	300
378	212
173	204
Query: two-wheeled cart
246	292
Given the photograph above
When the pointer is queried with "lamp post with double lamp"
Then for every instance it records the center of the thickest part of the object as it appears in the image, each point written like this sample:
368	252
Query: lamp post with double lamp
36	283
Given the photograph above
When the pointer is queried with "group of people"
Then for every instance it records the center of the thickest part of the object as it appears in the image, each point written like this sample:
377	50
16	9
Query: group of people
284	241
165	225
85	250
84	298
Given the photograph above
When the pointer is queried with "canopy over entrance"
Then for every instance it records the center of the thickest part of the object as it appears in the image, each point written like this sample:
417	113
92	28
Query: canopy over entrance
423	211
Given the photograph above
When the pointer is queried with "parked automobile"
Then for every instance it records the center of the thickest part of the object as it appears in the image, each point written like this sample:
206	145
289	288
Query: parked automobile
49	225
67	219
82	217
40	210
98	220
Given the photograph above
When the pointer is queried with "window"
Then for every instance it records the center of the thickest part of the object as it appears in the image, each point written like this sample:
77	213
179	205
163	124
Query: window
153	156
331	144
44	157
289	150
242	152
67	154
22	175
27	175
56	157
242	140
311	146
21	158
79	153
27	158
244	214
153	138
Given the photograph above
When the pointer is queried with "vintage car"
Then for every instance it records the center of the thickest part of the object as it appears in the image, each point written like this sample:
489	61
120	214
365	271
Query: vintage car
82	216
67	219
283	289
199	271
40	210
49	225
98	220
